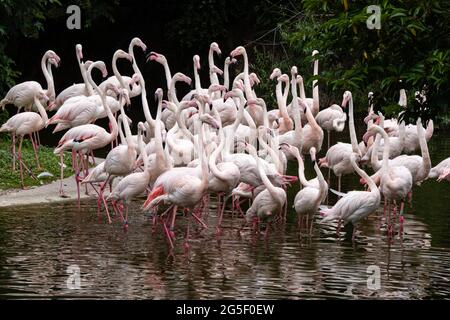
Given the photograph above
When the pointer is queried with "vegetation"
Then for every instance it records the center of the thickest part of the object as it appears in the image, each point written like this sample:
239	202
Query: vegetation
412	46
49	162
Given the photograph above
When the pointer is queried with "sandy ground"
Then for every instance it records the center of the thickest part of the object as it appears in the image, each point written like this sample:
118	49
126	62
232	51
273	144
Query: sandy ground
48	193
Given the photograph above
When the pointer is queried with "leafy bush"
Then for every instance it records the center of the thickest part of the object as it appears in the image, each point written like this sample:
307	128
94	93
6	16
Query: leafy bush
412	46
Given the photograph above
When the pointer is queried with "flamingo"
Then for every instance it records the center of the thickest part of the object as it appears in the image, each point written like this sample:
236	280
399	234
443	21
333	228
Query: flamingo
270	201
294	137
330	119
77	89
26	123
181	188
395	181
312	132
22	95
307	200
441	171
133	184
354	205
88	137
419	166
224	176
337	157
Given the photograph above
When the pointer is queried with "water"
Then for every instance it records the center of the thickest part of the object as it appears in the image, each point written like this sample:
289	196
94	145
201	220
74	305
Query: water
38	244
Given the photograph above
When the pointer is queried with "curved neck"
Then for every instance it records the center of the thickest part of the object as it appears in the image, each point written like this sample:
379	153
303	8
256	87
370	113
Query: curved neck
212	75
212	159
41	110
424	150
323	186
374	156
198	85
173	93
117	73
386	148
48	77
141	146
134	63
273	155
226	76
262	173
146	109
302	89
296	109
309	116
301	171
373	187
351	120
182	125
111	118
119	125
126	125
247	86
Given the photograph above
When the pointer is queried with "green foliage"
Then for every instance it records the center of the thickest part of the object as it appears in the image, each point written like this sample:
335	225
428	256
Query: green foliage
49	162
413	45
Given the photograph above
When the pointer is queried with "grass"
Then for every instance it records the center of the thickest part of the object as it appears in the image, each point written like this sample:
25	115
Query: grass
10	179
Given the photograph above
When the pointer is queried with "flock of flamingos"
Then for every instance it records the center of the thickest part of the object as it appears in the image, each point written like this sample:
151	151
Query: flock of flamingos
219	140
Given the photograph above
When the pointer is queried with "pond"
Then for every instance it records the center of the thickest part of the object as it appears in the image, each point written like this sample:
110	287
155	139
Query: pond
43	248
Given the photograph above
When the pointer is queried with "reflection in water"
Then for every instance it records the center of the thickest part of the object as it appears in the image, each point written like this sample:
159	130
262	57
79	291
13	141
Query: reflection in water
38	244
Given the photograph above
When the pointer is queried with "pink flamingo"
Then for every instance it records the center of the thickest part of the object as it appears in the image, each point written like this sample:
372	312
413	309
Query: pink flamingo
354	205
26	123
86	138
22	95
441	171
77	89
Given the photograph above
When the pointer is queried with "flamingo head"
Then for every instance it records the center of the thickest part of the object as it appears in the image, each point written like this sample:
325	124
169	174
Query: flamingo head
158	94
52	55
216	87
346	97
122	54
254	79
153	56
88	63
196	59
182	77
314	52
283	78
138	42
123	93
217	70
229	60
312	153
275	74
215	48
294	72
79	52
236	92
207	118
42	95
237	52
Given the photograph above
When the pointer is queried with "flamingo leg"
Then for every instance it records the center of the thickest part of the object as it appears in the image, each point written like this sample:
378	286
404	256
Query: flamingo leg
14	151
102	197
172	223
35	151
219	223
20	162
